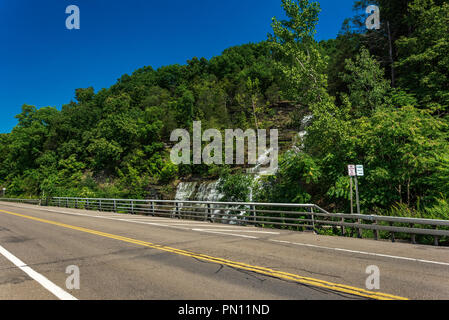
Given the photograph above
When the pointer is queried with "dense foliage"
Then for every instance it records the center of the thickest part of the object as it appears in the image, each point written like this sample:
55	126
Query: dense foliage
115	142
378	98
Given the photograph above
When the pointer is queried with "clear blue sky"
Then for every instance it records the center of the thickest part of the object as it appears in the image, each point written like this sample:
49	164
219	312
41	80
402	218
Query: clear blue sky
42	63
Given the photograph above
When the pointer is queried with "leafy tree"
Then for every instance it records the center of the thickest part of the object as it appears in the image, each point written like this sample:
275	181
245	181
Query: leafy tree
423	55
367	86
236	187
378	97
300	60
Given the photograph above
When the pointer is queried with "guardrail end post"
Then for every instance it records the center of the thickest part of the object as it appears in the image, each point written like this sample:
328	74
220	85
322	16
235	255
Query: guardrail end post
436	241
254	214
413	239
313	221
359	230
376	231
393	239
177	216
208	212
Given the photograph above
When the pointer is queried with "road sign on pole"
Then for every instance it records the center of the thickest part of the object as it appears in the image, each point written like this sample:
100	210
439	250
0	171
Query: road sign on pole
355	171
360	171
359	231
351	170
351	173
350	192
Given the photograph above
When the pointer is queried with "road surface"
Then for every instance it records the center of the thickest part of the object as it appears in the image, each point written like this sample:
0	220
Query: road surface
137	257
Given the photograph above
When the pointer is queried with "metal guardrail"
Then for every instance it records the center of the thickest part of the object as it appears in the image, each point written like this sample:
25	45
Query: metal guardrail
277	215
28	201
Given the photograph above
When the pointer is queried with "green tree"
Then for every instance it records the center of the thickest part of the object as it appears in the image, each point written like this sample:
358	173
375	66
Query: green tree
299	58
367	86
424	55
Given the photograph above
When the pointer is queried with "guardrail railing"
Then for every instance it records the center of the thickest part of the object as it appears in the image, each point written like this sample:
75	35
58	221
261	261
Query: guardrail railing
299	217
28	201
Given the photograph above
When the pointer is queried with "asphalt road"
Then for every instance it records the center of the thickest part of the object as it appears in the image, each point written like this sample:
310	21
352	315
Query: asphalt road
135	257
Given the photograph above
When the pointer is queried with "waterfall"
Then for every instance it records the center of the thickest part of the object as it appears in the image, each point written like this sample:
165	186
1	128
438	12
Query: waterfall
208	190
198	191
302	133
259	171
262	160
185	190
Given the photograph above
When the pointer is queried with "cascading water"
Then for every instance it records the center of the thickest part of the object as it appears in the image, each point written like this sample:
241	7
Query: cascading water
208	191
302	133
185	190
258	171
198	191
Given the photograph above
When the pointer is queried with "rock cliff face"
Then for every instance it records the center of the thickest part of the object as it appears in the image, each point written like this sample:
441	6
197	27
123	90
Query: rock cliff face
208	190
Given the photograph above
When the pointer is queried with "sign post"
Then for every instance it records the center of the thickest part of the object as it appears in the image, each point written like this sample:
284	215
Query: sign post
359	173
359	231
355	171
351	173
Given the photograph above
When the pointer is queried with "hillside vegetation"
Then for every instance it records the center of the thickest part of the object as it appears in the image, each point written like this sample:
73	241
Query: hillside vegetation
378	98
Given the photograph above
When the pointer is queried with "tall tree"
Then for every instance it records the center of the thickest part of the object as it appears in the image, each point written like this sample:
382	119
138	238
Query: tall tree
298	55
424	55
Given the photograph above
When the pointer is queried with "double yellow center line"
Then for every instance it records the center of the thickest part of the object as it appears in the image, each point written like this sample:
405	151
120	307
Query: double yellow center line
238	265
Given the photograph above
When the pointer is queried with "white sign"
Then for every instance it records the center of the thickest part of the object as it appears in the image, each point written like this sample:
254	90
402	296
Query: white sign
360	171
351	170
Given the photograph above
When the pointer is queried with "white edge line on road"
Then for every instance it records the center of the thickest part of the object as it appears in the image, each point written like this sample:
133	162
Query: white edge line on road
43	281
154	224
225	233
362	252
205	224
238	230
116	219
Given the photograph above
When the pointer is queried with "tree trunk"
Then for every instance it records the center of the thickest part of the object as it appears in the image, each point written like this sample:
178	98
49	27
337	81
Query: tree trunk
408	192
254	111
390	43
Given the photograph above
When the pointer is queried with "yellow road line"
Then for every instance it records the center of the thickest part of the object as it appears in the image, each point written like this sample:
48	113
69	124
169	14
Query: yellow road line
238	265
